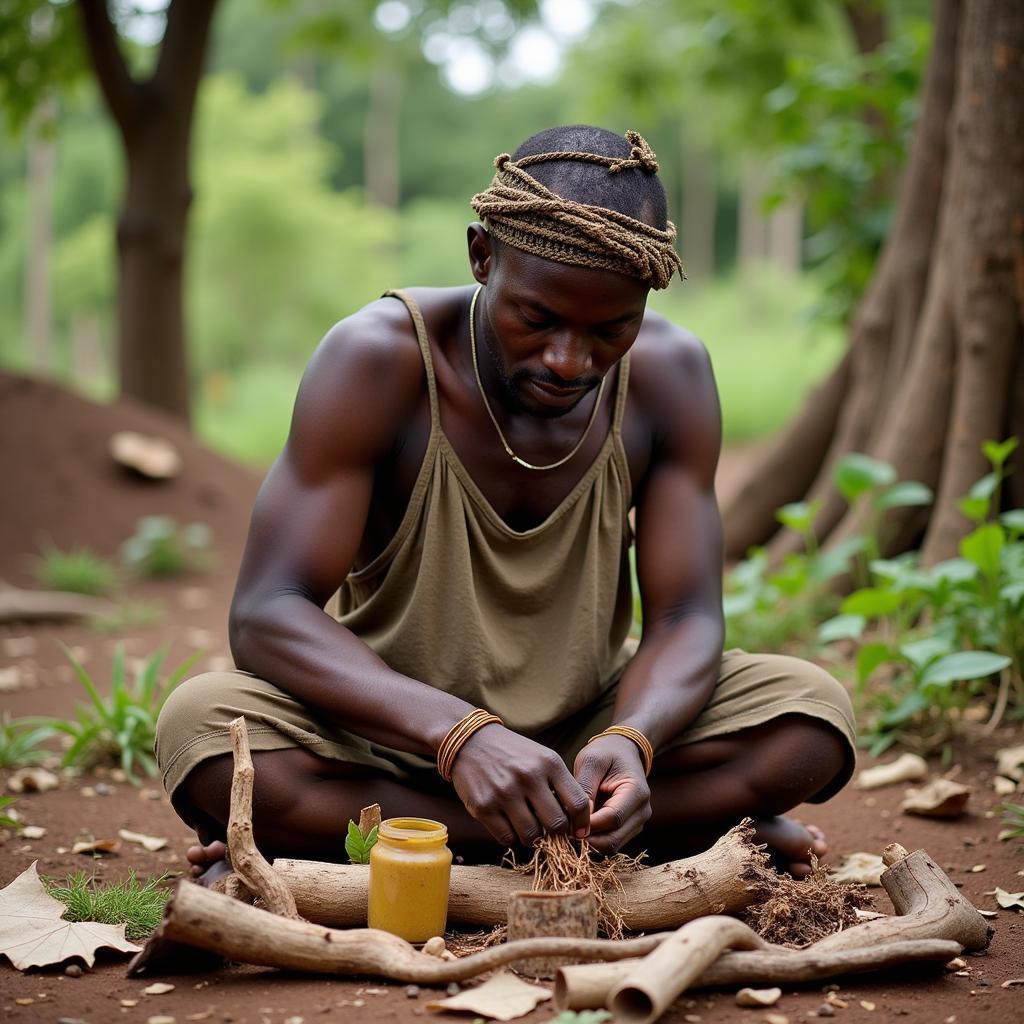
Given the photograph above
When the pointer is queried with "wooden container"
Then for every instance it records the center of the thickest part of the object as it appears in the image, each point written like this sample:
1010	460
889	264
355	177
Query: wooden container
559	914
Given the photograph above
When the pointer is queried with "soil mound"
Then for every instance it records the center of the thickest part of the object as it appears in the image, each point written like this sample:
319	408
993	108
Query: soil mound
59	482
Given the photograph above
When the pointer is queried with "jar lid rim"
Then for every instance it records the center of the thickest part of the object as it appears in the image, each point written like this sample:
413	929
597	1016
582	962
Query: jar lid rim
406	829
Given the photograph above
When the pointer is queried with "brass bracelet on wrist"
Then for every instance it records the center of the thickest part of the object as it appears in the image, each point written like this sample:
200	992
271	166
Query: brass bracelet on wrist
646	750
456	737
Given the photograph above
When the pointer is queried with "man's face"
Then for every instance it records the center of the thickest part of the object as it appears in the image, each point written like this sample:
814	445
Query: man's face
553	331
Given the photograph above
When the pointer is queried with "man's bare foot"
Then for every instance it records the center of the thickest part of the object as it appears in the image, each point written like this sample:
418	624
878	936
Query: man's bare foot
791	843
208	861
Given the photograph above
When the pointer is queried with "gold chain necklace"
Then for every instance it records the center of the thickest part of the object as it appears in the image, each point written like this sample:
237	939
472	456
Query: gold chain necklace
487	405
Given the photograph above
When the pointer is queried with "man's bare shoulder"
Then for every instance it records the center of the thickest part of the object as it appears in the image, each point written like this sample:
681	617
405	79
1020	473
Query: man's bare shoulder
671	380
361	385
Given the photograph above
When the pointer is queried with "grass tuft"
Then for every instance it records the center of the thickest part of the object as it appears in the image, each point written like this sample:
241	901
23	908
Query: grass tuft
80	571
137	905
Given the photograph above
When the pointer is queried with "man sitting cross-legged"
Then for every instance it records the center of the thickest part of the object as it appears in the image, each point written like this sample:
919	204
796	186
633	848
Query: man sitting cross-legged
448	529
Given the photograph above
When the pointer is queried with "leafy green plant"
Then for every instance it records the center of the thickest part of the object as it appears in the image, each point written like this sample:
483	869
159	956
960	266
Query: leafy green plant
940	633
160	547
138	905
20	741
80	571
120	728
356	846
1013	819
5	819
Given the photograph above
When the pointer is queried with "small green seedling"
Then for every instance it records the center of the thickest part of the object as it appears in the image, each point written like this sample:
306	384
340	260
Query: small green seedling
581	1017
1013	819
357	846
19	741
160	547
5	819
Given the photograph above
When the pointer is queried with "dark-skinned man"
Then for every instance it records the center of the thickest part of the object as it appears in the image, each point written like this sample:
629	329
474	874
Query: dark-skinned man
433	608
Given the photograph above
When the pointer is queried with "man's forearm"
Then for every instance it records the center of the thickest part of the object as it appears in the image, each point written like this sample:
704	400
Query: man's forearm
671	677
291	642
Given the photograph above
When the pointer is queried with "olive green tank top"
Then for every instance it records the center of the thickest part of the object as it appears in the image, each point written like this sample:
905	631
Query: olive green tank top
529	625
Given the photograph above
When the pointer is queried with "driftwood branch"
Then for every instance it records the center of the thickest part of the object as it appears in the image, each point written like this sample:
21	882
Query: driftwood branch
211	921
651	985
249	864
717	881
587	986
17	605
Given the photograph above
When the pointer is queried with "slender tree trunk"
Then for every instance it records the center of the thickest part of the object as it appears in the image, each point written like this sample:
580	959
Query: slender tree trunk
42	153
753	230
381	134
785	237
935	346
697	213
155	120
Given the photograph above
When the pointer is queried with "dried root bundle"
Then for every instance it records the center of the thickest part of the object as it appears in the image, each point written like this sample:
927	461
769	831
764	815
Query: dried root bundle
560	864
796	913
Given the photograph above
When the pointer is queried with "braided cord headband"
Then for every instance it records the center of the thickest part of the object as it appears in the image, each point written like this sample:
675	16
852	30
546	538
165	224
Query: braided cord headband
525	214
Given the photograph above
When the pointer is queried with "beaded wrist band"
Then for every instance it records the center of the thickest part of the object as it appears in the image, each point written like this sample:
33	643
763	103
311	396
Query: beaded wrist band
457	736
646	750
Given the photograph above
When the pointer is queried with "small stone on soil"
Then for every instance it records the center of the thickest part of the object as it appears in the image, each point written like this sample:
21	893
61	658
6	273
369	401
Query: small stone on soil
453	989
161	1018
73	971
412	991
825	1010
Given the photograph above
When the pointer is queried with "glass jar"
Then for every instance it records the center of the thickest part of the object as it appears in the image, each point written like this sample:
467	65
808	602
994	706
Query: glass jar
410	867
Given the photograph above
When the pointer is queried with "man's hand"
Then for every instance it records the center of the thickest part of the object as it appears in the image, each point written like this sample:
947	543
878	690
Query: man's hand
518	789
611	771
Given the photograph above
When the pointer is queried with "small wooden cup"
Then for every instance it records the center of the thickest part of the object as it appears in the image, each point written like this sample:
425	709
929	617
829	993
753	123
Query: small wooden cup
550	914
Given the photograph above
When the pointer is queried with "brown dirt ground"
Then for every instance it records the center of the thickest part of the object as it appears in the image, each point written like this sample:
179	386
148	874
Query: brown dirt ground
53	463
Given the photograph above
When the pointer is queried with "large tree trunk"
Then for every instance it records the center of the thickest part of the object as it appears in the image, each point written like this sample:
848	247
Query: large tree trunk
935	344
155	120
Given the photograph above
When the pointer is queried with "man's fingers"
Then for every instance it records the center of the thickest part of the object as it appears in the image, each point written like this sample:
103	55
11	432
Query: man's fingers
575	800
549	812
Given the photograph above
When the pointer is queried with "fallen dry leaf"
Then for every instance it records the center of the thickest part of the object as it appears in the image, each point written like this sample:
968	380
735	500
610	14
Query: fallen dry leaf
865	868
33	934
940	798
906	768
1010	762
97	846
151	843
988	913
758	996
1010	982
158	988
32	780
1004	786
1009	900
502	997
153	457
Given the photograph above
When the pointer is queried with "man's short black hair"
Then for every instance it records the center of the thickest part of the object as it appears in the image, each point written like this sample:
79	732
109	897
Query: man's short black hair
632	191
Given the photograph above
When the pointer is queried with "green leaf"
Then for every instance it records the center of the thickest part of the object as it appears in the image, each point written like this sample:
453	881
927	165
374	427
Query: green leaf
1012	592
857	474
905	494
922	652
975	509
997	453
358	848
737	604
982	547
1013	520
869	657
871	602
954	570
841	627
798	515
913	704
963	665
835	561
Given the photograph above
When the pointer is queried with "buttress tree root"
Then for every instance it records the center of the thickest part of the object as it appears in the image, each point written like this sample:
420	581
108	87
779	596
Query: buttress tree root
934	364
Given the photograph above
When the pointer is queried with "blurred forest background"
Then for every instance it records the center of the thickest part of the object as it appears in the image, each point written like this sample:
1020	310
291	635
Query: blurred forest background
334	154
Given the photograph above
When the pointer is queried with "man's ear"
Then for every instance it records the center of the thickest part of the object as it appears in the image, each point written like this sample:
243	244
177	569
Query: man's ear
481	253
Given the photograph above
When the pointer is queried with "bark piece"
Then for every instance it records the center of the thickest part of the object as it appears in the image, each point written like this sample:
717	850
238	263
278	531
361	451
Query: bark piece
248	863
720	880
941	798
906	768
534	914
369	819
653	984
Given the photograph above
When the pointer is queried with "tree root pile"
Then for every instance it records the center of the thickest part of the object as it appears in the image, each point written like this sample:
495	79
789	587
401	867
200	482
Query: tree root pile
560	864
796	913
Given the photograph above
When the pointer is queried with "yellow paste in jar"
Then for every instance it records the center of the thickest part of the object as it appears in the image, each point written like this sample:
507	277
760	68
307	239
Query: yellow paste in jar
410	866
